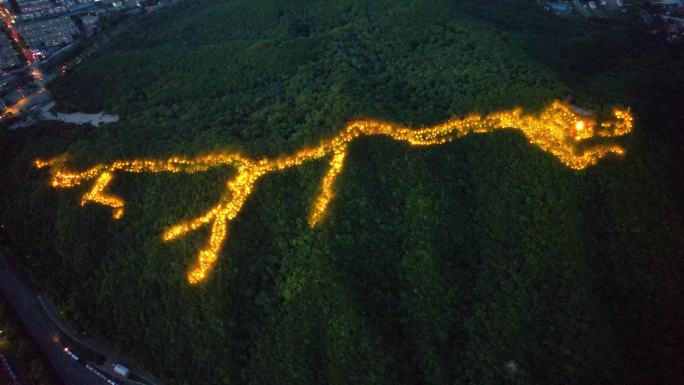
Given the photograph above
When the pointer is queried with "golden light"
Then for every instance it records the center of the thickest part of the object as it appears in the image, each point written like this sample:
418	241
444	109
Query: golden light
557	130
37	74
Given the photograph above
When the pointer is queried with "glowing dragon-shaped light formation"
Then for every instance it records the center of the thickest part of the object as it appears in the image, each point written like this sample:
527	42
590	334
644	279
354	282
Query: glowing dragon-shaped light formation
558	129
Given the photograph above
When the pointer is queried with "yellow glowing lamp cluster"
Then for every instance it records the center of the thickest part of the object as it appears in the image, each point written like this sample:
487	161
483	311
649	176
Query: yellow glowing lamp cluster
558	129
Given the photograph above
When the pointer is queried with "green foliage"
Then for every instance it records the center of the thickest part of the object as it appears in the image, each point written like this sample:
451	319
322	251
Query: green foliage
18	344
434	265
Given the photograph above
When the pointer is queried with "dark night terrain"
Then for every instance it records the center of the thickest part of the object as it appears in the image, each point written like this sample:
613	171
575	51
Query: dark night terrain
435	265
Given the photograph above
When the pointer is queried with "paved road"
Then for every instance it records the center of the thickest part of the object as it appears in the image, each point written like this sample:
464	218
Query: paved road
580	8
8	373
41	328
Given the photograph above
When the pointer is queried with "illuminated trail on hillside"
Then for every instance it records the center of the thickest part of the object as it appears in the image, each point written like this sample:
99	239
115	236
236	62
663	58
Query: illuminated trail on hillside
557	130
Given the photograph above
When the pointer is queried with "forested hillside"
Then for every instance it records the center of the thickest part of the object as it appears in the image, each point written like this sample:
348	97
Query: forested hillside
444	265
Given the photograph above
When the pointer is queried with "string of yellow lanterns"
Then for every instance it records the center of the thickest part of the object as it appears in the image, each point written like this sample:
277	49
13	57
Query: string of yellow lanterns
558	129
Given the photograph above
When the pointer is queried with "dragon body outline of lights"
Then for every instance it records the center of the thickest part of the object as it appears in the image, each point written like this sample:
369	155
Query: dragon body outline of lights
558	129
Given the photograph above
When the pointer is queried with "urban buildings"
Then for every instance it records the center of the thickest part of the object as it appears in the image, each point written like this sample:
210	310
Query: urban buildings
28	6
8	56
48	33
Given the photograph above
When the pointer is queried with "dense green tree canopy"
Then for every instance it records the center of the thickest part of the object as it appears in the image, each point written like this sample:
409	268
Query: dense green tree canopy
435	266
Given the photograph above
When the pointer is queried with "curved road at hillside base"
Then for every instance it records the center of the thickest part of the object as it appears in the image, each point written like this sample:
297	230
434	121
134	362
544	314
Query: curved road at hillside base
44	332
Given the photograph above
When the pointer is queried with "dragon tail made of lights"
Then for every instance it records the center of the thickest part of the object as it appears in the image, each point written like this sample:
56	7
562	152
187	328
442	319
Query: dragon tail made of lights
558	129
